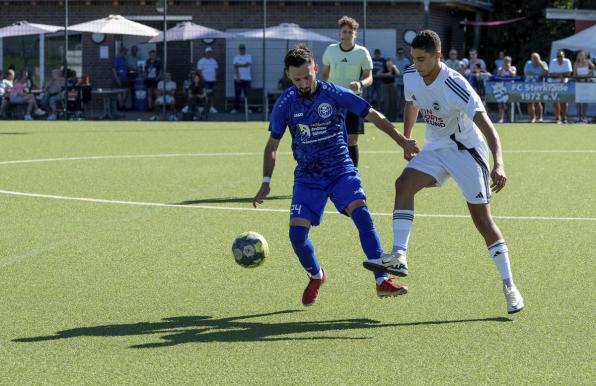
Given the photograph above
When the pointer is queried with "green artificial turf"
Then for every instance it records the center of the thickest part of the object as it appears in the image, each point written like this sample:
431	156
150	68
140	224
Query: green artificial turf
129	292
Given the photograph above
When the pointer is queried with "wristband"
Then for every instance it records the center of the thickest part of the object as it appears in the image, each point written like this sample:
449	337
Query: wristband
266	180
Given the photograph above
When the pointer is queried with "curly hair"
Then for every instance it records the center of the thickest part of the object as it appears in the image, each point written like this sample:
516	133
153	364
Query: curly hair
350	22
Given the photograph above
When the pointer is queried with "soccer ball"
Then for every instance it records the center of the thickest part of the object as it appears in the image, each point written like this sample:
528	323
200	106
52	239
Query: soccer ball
250	249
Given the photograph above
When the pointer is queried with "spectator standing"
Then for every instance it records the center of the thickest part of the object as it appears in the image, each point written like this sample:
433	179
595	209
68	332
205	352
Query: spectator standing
477	76
401	62
374	92
535	70
153	69
499	61
120	76
166	90
559	70
53	93
208	66
388	75
583	69
475	59
242	75
453	61
132	63
349	65
506	71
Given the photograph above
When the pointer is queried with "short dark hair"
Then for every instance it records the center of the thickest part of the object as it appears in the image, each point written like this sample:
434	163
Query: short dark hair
427	40
297	56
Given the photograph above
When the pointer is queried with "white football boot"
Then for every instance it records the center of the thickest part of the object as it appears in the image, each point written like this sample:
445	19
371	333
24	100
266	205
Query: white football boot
394	263
515	302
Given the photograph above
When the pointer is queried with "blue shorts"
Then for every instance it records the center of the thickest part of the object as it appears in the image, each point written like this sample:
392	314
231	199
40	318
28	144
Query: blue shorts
309	200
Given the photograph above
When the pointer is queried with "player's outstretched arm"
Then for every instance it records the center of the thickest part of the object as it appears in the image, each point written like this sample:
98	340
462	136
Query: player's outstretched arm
497	175
379	120
269	156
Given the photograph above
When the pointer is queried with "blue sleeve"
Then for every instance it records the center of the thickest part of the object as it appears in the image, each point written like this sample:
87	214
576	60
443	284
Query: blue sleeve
278	120
352	102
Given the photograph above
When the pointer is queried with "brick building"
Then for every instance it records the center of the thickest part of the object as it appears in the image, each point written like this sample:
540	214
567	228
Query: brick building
386	22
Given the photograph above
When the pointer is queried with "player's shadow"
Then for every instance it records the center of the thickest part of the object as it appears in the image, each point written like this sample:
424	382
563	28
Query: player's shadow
11	133
228	200
202	329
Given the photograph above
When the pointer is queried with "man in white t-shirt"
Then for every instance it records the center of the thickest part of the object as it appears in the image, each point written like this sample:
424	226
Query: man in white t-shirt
242	75
456	122
166	90
558	71
208	66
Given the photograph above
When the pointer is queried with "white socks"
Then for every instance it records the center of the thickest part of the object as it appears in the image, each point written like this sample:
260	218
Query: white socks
500	254
318	276
402	226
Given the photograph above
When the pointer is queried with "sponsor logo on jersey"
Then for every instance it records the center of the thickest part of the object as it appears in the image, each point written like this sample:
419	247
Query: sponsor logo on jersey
431	118
304	130
325	110
298	115
436	106
344	60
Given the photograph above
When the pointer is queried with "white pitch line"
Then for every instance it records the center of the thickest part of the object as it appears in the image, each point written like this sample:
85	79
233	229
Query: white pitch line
238	154
247	209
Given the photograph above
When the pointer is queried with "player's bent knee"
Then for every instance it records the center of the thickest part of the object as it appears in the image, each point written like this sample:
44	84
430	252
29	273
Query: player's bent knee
353	205
300	221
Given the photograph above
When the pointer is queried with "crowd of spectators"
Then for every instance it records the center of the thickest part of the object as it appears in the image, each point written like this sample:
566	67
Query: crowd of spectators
197	91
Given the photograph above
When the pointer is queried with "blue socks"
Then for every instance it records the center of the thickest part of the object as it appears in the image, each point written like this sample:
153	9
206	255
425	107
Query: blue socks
304	250
369	238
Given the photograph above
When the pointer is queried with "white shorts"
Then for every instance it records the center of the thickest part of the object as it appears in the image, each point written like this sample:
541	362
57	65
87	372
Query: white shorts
468	167
169	100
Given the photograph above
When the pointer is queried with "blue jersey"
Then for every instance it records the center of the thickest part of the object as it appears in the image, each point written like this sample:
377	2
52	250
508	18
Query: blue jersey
317	126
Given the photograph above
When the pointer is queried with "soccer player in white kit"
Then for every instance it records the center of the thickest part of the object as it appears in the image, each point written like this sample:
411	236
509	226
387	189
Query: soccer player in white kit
454	147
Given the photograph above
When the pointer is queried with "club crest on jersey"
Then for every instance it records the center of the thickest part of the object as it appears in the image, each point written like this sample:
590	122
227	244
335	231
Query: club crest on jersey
325	110
436	106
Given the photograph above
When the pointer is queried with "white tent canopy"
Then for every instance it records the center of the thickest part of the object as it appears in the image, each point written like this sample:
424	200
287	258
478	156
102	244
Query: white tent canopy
584	40
116	25
189	31
24	28
286	31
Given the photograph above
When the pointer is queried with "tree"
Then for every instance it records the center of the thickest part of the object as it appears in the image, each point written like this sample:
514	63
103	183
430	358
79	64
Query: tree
520	39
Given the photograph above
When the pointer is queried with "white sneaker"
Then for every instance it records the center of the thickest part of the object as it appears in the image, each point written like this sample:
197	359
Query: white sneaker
153	118
52	117
39	111
515	302
212	110
393	263
185	109
28	117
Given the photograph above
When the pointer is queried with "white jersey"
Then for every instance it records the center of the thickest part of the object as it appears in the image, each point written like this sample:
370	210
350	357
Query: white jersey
447	105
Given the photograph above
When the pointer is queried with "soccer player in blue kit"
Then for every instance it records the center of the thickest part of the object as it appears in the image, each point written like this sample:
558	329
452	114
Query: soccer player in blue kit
315	113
